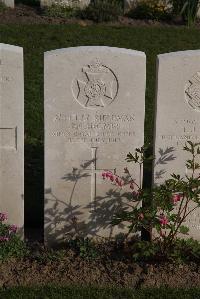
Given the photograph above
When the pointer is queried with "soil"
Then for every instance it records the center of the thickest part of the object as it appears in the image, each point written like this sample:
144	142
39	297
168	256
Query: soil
24	14
113	269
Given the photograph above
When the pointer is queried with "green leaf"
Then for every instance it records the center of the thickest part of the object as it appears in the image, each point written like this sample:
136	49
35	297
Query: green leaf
175	176
196	165
184	230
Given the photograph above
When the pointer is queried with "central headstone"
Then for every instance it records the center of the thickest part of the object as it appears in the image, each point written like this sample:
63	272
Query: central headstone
94	116
12	134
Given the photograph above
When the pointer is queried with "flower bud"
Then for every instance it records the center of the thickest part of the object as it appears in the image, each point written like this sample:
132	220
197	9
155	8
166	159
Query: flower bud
176	198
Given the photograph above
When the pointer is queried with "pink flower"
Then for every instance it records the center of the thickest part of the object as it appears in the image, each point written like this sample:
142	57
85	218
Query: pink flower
13	228
117	180
132	185
176	198
103	175
4	239
3	216
121	183
141	216
112	177
135	194
108	174
163	220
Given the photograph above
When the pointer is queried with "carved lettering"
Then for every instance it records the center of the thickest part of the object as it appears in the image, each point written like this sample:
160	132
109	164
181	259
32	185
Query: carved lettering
5	79
105	128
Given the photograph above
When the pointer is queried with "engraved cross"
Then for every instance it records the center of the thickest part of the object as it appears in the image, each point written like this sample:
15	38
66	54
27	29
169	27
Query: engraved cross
94	171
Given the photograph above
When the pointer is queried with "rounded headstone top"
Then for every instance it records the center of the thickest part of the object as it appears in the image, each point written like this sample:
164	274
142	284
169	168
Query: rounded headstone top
97	49
8	47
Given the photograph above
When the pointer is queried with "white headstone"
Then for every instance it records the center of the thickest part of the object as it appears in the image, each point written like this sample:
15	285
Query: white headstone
129	4
177	118
71	3
94	116
9	3
12	133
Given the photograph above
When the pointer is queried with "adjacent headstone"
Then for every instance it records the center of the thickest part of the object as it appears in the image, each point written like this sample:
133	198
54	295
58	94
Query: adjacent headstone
198	13
130	4
12	133
71	3
94	116
9	3
177	118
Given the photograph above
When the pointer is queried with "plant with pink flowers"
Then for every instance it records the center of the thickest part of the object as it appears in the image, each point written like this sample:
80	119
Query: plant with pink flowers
10	242
113	178
162	210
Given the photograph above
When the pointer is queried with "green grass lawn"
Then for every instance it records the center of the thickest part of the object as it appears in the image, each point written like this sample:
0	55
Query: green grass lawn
73	292
36	39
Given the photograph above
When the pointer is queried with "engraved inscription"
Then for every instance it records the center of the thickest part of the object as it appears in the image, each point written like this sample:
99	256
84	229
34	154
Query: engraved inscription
93	172
186	130
192	92
189	130
96	86
8	138
93	129
5	79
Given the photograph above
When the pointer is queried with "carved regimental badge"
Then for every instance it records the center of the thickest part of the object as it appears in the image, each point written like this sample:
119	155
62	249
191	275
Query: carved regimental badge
96	86
192	92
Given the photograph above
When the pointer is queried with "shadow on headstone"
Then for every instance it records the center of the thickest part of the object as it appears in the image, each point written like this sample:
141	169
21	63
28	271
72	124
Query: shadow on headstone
75	220
164	156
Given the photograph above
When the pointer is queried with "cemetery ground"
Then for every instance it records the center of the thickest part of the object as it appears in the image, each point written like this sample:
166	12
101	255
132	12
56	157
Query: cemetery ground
30	12
70	266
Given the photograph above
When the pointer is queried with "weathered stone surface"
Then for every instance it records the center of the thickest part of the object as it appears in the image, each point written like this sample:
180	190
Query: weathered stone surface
72	3
94	115
12	133
9	3
177	117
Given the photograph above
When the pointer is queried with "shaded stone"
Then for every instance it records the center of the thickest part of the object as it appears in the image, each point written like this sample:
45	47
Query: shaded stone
12	133
177	118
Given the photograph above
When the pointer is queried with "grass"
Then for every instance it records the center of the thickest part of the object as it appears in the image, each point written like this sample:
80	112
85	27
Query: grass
74	292
2	7
36	39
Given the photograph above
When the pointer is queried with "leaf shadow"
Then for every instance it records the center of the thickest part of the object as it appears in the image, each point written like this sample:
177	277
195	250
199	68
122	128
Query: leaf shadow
65	219
164	156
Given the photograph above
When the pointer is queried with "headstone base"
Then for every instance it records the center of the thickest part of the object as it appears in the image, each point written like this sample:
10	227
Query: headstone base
71	3
9	3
